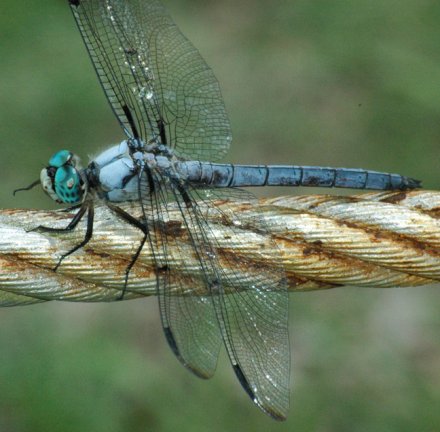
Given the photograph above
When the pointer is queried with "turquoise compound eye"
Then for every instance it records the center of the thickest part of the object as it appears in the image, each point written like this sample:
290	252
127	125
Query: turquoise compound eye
60	158
68	185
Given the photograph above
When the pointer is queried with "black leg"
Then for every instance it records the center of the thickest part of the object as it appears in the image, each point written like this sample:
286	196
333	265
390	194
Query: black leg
69	209
89	231
130	266
127	217
72	224
85	207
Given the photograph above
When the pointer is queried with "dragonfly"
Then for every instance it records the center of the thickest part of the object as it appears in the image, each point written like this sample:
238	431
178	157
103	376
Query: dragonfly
169	105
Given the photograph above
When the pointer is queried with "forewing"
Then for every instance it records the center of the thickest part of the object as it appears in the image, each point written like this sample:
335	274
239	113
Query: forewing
157	83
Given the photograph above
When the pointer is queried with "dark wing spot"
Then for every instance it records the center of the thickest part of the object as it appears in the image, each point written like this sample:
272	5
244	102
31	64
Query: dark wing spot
171	341
243	381
161	127
130	120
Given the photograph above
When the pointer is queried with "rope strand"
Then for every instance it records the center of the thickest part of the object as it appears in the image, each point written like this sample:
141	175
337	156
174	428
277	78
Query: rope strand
387	239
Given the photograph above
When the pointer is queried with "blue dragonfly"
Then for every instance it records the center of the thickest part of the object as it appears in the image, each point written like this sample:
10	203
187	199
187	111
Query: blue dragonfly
169	105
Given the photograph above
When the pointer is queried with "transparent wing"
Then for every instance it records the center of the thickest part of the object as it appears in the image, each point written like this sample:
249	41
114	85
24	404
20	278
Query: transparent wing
157	83
242	300
187	313
251	301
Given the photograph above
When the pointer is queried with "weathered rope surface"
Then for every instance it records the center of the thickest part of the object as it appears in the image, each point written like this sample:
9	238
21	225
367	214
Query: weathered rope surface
387	239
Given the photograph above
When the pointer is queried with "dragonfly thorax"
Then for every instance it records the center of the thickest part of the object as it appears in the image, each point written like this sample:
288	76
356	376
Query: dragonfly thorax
62	179
114	175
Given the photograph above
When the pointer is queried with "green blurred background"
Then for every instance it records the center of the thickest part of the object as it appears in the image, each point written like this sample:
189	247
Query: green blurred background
346	83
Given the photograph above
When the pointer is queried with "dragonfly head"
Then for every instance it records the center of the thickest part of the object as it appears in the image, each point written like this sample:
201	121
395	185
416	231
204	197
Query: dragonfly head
62	179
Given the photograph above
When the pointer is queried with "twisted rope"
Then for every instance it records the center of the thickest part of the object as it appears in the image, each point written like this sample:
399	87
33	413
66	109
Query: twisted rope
387	239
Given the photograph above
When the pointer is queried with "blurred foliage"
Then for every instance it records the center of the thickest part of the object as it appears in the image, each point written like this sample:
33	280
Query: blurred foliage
345	83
